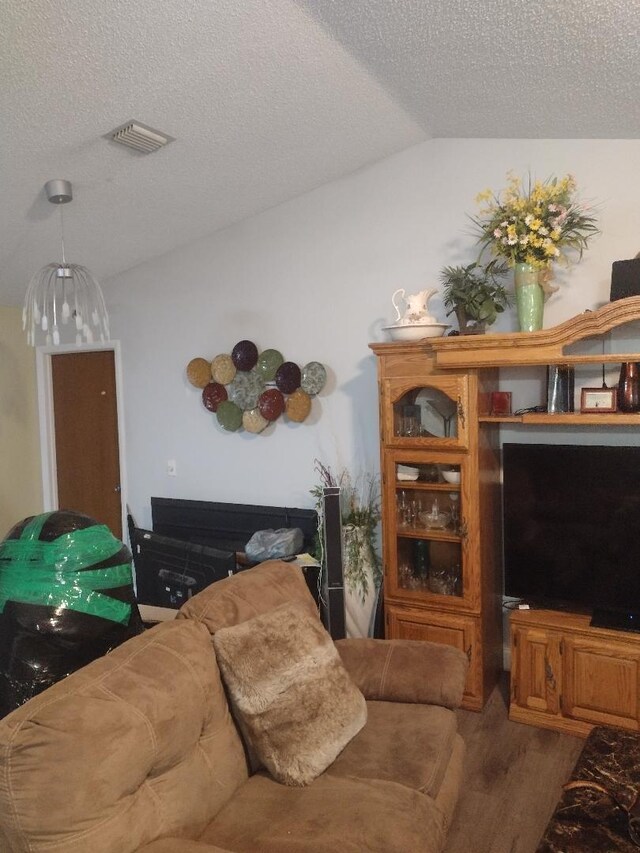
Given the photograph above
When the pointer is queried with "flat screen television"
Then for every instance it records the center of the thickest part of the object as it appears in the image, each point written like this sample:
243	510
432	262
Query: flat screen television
572	529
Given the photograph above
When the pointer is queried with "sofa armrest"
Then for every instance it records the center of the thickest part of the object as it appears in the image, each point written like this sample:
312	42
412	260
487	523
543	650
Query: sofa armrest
406	670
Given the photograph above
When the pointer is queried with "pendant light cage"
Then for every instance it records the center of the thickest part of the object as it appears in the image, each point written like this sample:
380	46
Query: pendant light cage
64	299
62	295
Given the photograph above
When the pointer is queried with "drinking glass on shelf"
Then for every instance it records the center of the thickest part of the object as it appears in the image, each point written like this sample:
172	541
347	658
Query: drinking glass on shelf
411	424
404	574
401	509
454	497
442	581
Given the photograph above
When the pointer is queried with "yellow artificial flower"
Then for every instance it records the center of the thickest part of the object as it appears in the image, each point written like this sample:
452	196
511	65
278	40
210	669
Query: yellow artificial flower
531	221
485	195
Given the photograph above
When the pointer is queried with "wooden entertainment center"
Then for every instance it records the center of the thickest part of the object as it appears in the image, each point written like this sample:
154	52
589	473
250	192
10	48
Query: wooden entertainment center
442	549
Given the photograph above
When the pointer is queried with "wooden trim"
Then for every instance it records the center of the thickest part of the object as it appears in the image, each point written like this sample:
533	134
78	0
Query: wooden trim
526	348
569	419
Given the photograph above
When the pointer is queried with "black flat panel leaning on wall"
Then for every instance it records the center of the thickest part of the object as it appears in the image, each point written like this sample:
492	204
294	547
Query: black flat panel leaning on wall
227	525
170	571
625	279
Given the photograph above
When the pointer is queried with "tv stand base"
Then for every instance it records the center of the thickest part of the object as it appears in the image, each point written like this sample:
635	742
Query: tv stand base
568	675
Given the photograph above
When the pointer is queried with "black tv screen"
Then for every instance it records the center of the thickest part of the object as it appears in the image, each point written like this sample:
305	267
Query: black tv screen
572	526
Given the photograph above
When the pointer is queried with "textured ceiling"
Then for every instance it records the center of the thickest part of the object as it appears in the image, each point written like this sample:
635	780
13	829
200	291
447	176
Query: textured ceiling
268	99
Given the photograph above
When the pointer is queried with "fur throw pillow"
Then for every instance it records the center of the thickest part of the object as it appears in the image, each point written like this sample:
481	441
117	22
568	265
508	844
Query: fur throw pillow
291	694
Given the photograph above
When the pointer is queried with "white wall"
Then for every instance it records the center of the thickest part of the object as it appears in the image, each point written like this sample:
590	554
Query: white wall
314	278
20	477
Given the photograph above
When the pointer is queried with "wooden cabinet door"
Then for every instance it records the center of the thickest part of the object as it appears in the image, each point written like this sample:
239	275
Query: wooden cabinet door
535	669
601	681
439	407
462	632
449	576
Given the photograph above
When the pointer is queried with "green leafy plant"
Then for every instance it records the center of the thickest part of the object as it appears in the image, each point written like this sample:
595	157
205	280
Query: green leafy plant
474	292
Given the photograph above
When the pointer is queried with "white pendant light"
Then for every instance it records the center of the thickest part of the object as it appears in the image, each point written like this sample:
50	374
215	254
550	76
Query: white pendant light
64	299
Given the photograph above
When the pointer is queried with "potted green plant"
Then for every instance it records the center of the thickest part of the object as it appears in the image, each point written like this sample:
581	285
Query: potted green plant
474	293
360	512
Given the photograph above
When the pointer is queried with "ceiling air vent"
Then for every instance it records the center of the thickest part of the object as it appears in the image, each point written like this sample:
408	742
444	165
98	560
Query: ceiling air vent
139	136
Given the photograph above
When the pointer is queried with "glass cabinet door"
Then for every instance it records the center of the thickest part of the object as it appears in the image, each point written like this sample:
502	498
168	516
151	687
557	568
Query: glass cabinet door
426	530
433	414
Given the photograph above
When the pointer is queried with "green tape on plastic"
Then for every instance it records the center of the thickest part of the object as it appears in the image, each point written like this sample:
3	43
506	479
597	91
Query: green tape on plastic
51	573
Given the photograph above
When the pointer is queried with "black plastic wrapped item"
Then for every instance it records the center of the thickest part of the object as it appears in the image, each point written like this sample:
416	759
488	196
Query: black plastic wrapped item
66	598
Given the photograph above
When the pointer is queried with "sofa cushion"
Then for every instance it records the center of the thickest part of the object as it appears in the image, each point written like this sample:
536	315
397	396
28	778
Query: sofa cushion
407	744
136	745
247	594
292	695
331	814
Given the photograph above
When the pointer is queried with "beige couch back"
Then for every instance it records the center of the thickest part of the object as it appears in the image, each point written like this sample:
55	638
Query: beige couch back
247	594
135	746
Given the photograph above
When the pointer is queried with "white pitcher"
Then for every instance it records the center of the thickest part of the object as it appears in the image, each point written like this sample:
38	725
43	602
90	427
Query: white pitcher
416	306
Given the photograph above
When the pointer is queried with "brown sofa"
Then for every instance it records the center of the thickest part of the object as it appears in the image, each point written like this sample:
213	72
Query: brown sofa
138	751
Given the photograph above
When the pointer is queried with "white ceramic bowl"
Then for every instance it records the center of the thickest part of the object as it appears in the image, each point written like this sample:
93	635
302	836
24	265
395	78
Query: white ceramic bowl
452	477
416	331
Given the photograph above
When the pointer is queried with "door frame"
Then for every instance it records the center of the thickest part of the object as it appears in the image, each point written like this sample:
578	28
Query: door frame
44	381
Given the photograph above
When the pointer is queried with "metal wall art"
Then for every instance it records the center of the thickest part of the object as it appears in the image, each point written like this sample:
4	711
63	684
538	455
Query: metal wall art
249	390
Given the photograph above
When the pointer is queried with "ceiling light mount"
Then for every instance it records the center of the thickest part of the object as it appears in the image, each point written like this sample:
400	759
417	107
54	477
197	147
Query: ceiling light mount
61	292
58	191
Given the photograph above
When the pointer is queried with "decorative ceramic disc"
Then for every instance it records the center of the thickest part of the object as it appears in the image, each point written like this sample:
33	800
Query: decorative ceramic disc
271	404
268	362
253	421
199	372
212	395
314	377
244	355
229	416
245	389
223	369
298	406
288	377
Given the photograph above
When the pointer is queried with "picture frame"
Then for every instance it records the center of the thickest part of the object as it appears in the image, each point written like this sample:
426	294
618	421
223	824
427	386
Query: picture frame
598	400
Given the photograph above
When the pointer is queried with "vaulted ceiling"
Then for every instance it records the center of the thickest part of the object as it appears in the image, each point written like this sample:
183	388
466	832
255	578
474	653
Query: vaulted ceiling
267	99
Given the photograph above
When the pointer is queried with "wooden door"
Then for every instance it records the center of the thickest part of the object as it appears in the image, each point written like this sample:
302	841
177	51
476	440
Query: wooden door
536	669
86	435
452	629
602	681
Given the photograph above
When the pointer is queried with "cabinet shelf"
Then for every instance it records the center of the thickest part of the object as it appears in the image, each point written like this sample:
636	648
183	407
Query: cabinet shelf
437	535
567	419
422	485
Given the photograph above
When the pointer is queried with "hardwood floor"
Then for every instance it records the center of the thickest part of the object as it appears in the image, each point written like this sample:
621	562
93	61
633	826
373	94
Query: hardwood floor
513	776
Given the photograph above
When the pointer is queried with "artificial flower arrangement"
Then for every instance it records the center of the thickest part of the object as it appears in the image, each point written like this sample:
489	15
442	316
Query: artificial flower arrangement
534	223
359	510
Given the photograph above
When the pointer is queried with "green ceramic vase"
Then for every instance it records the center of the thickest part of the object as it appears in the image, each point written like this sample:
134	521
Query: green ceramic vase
529	297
